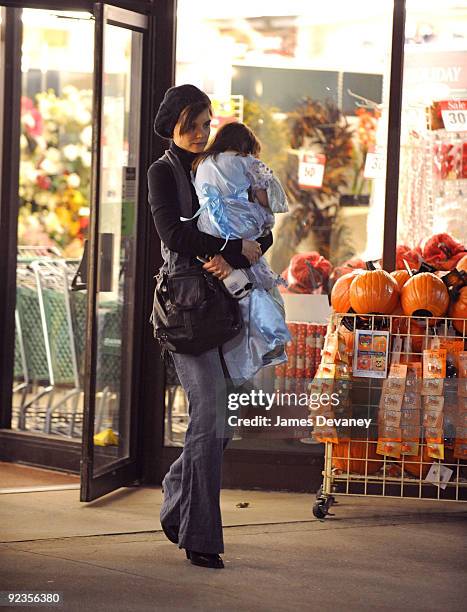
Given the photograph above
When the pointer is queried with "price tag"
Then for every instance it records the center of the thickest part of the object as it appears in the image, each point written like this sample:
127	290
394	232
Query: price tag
375	165
454	114
311	170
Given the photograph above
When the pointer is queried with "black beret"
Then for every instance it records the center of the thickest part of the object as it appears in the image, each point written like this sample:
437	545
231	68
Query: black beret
175	100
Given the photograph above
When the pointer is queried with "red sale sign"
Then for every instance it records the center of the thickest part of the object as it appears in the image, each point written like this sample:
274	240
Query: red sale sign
454	114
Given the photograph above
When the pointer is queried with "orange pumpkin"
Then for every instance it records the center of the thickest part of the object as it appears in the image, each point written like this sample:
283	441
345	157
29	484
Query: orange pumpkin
425	294
401	277
462	264
340	294
374	292
458	309
356	463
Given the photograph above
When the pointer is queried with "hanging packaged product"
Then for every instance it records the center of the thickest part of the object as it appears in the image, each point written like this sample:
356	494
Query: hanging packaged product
433	411
439	475
413	382
396	380
411	409
410	444
390	410
435	450
325	433
434	437
329	351
342	348
434	371
411	429
371	354
389	441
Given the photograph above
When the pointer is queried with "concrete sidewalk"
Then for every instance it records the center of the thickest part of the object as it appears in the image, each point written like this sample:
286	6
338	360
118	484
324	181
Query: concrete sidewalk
374	554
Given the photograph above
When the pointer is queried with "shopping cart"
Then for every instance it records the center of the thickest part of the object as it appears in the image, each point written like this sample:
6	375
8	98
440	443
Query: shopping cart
353	462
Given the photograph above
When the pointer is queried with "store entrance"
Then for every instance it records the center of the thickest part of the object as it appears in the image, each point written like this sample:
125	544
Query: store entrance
76	105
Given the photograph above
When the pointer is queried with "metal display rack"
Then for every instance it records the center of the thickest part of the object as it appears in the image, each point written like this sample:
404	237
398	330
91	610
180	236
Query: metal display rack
353	467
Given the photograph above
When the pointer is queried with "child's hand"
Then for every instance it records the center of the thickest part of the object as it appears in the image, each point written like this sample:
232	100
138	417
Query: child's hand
218	267
251	250
261	196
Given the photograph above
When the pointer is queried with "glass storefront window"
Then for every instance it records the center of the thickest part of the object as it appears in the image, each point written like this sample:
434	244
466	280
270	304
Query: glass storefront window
54	192
432	224
56	104
312	81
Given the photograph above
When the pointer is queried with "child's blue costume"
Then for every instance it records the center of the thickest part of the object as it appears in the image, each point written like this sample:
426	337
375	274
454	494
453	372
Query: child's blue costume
222	184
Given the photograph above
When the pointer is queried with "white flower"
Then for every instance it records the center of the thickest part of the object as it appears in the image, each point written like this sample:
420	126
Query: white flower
71	152
86	136
83	116
28	172
48	166
33	221
28	120
86	158
53	154
73	180
42	198
23	142
52	223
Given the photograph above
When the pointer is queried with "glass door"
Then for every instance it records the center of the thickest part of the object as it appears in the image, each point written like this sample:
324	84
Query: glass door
109	432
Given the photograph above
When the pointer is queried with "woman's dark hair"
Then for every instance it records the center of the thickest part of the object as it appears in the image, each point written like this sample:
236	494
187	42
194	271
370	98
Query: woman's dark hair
231	137
189	114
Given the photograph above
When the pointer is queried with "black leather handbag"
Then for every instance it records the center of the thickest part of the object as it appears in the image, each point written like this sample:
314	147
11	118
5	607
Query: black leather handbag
193	312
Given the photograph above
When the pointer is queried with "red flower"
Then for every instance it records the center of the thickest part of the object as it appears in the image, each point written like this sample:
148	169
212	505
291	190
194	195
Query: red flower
43	182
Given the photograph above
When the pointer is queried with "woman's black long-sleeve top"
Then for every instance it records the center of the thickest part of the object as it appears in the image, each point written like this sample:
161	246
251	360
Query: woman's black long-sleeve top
183	236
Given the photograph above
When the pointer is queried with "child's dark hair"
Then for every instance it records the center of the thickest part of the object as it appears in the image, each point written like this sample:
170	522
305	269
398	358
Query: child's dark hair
231	137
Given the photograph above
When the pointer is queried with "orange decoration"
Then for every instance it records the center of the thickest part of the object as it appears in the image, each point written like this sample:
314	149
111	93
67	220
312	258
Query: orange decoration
374	292
425	295
357	460
340	294
401	277
458	309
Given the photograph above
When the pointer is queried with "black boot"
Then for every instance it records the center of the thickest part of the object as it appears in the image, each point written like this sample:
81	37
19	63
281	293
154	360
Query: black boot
205	559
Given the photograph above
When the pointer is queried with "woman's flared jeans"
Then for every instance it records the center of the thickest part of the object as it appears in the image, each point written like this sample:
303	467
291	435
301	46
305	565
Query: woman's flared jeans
191	504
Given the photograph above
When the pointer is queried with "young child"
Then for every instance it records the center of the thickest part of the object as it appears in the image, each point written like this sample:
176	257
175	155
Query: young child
224	175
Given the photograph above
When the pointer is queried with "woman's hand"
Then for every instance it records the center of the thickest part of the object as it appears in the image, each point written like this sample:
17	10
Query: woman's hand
251	250
218	266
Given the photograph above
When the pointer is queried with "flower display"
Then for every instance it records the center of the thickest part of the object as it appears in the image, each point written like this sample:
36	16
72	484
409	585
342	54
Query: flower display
55	168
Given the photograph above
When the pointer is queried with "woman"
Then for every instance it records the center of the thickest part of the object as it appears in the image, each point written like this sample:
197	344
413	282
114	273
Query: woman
190	513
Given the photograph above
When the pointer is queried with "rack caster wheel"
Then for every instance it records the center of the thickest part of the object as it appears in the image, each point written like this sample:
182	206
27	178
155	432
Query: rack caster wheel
319	511
321	507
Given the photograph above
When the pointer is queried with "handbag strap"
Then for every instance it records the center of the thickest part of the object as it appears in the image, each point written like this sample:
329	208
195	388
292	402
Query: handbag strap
174	260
